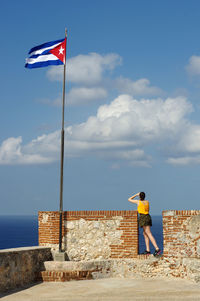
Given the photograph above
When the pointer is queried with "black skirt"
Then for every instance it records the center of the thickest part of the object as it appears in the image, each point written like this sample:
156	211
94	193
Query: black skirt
145	220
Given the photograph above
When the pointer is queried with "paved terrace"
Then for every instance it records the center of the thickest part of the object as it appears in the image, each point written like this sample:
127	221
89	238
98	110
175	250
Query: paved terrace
115	289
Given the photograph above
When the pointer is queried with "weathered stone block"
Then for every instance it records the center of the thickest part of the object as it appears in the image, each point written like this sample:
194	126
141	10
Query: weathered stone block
194	226
169	213
20	266
60	256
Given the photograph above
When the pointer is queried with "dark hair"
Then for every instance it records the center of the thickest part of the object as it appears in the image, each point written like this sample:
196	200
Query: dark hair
142	196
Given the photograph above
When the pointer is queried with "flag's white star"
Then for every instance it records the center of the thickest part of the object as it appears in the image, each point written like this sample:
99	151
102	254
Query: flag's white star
61	50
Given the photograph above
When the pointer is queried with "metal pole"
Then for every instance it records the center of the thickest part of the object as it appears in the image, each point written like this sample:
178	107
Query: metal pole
62	154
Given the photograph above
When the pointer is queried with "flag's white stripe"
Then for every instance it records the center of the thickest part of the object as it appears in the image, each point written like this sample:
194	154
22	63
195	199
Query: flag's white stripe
42	58
39	51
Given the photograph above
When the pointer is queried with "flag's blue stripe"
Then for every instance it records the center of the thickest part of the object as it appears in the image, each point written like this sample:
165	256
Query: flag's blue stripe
34	56
48	44
44	64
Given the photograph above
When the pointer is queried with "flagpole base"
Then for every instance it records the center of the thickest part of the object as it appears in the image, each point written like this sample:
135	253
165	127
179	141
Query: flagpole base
60	256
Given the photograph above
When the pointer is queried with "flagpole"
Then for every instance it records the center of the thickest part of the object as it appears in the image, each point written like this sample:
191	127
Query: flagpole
62	153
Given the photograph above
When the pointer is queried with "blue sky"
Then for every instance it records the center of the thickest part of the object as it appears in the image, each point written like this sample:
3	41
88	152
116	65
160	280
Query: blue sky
132	118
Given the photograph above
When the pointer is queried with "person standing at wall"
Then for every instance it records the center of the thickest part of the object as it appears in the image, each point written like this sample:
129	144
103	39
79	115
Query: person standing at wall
145	222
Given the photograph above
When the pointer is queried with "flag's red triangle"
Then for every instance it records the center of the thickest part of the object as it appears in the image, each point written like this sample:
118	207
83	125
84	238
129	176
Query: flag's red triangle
60	51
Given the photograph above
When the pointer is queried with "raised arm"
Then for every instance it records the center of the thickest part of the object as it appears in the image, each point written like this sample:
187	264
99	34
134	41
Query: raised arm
131	199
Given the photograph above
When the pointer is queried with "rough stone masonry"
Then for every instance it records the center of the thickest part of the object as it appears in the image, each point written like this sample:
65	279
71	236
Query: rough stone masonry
113	235
91	234
104	244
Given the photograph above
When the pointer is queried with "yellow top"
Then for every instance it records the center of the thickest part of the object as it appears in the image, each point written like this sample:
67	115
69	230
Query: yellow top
143	207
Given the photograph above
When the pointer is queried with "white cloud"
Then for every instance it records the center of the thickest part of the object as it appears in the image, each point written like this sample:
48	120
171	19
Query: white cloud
190	141
78	96
119	132
86	69
84	95
183	161
11	153
136	157
123	128
91	79
46	145
193	67
187	149
138	87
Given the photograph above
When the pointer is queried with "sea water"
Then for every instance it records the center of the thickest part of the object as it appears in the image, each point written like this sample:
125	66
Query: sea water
18	231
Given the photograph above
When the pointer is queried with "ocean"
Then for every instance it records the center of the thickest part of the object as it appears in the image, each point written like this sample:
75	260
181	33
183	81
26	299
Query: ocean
18	231
22	231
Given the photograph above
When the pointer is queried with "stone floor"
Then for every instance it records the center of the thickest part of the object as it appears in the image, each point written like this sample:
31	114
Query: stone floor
112	289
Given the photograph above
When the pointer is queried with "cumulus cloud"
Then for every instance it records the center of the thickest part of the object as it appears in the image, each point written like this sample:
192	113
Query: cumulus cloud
193	67
11	153
130	124
86	69
82	95
190	141
136	157
186	160
138	87
120	132
78	96
91	79
187	149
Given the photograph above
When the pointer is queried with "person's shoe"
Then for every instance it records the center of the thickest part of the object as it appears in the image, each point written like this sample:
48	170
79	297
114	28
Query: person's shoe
157	253
146	253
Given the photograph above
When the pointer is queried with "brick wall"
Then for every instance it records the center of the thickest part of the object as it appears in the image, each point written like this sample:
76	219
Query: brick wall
91	234
181	242
181	233
115	235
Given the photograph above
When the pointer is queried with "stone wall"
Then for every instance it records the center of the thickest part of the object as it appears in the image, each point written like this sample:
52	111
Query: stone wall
91	234
104	244
112	237
181	243
181	233
141	267
20	266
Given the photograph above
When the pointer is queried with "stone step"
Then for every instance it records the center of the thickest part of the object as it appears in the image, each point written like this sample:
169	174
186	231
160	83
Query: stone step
62	276
94	269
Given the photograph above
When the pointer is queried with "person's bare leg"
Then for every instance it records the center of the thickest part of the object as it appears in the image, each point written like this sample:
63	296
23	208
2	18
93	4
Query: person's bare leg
146	238
150	236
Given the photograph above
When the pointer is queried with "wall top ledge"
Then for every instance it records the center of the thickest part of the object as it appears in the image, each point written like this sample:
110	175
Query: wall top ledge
169	212
23	249
92	213
180	212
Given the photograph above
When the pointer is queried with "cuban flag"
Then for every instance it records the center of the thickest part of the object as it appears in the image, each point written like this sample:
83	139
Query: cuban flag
50	53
